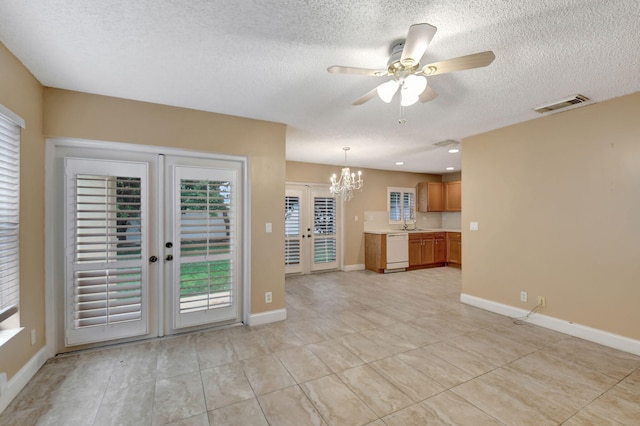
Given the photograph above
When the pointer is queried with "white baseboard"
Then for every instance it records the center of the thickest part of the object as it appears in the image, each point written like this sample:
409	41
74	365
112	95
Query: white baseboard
595	335
356	267
267	317
10	389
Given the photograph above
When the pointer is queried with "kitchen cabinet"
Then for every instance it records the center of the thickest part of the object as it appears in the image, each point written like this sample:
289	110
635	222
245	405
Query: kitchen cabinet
427	249
453	196
375	252
440	248
454	248
420	250
430	197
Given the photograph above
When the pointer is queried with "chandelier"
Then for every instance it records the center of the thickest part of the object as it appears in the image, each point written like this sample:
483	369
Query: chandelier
347	182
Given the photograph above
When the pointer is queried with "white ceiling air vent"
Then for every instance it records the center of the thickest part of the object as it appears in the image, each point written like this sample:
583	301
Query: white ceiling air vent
562	103
447	142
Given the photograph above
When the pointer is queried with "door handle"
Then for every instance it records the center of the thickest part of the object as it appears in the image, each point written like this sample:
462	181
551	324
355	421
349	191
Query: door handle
169	257
153	259
309	236
169	244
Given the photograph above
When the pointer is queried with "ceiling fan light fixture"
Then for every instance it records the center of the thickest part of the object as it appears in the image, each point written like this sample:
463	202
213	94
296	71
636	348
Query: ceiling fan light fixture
408	99
412	87
415	84
387	90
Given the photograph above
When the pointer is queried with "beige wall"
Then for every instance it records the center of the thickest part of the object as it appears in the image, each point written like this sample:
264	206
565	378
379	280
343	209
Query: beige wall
372	198
558	203
81	115
78	115
22	94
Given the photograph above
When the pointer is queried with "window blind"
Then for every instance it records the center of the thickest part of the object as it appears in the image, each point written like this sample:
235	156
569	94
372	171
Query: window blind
324	229
207	229
108	234
9	216
292	230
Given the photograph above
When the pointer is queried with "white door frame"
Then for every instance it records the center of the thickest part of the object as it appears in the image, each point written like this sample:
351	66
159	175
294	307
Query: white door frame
53	144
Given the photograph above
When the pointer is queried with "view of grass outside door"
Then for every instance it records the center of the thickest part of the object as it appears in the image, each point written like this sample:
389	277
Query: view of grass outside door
206	257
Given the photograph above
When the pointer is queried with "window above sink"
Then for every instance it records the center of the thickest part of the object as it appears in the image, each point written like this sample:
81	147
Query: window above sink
401	205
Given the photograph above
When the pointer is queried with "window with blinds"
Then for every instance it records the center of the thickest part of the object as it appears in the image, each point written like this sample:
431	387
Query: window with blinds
324	229
107	277
207	232
9	216
408	205
292	230
401	204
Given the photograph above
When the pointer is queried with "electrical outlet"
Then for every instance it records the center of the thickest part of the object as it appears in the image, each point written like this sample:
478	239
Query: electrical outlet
542	301
523	296
268	297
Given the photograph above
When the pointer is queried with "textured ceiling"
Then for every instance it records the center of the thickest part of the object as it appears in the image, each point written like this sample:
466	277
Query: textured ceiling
267	60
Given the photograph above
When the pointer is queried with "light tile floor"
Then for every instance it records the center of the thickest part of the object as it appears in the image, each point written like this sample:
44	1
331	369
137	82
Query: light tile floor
357	348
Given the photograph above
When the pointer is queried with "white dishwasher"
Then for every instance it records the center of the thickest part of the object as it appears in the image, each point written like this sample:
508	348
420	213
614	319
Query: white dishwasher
397	251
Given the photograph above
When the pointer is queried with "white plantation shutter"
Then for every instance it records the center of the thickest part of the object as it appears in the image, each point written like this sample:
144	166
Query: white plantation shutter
206	266
324	230
9	213
207	228
395	206
408	205
401	204
292	230
106	250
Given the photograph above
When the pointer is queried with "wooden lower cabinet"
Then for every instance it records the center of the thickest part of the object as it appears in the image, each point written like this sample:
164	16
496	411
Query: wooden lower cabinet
426	250
454	248
375	252
440	248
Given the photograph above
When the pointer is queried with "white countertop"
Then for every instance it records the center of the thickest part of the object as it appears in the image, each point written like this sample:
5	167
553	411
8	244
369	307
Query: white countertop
410	231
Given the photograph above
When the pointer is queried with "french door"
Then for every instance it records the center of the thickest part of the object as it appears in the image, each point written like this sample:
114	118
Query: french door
311	229
203	225
152	244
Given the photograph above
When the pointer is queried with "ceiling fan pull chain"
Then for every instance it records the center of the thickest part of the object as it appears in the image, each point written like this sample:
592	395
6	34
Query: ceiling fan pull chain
401	119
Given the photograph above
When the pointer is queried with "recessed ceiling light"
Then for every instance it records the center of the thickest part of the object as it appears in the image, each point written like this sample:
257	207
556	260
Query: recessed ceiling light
399	163
449	168
454	150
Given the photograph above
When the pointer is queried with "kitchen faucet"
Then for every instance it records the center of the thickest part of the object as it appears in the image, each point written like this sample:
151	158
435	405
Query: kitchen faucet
405	227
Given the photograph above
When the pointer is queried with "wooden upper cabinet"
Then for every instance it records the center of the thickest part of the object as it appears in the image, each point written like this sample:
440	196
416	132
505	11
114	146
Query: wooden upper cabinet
430	197
453	196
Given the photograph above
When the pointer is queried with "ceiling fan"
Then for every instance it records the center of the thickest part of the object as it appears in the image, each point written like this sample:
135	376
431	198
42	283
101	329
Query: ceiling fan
408	76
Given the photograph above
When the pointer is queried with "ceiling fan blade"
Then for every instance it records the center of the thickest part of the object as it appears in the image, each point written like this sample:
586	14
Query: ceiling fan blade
366	97
418	38
476	60
428	95
357	71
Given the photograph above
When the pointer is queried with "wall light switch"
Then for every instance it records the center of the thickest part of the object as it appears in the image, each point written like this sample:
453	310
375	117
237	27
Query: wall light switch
356	218
473	226
269	228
